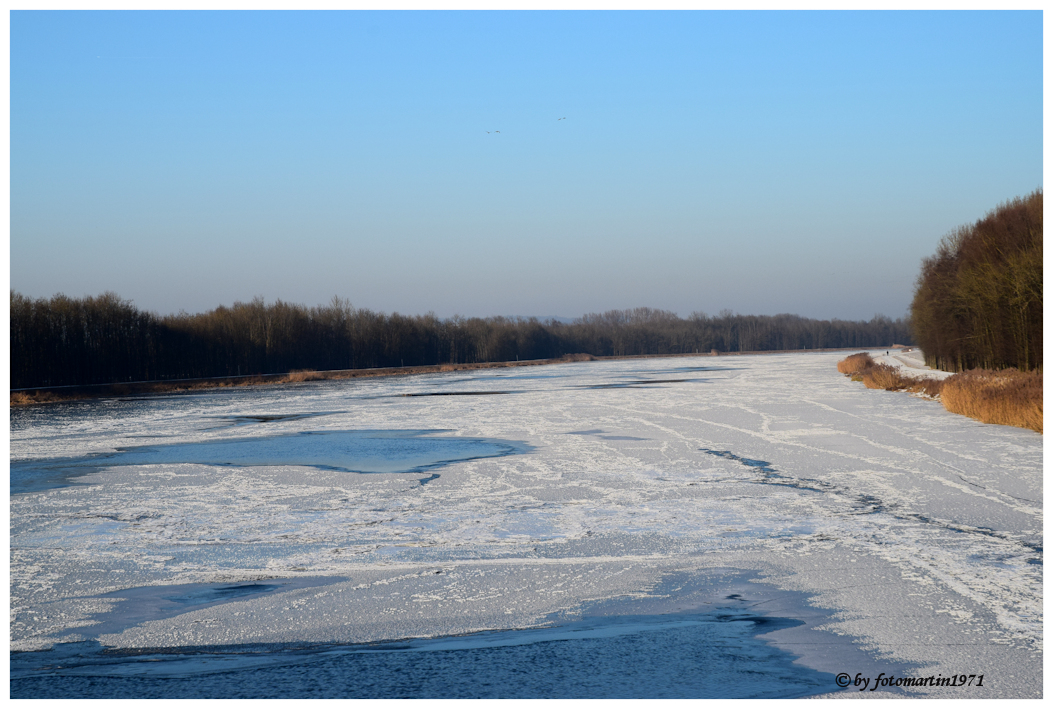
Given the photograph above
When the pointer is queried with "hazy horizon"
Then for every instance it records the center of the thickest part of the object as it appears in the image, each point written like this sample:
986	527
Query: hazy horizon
760	162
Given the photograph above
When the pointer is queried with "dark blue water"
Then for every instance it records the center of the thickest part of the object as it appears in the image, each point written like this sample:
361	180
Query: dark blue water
713	655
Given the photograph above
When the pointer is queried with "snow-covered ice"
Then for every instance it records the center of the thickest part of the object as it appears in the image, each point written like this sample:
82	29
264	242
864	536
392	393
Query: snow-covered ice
914	534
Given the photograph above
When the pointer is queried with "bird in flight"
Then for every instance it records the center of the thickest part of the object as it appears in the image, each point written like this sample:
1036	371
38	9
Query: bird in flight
562	119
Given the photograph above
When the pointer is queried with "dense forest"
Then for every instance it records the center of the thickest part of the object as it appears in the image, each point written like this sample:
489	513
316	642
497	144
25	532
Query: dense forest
978	300
104	339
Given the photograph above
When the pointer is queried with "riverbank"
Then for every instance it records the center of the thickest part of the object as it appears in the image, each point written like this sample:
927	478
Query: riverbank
47	395
1007	397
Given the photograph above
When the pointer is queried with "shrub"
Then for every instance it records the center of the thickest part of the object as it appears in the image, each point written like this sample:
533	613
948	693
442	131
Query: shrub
883	376
855	363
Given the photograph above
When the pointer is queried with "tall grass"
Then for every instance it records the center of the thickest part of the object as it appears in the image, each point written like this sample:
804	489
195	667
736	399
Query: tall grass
303	375
883	376
1008	396
853	364
23	398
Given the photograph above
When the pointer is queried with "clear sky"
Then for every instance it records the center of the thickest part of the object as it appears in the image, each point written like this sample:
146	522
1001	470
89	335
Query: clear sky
764	162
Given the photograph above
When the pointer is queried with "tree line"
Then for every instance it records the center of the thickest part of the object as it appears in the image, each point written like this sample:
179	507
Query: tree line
978	300
105	339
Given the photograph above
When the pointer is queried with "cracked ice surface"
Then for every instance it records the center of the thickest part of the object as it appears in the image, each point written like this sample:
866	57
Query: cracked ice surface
919	530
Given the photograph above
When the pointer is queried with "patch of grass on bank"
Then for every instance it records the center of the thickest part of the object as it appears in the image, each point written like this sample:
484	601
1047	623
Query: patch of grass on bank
861	367
1008	397
883	376
304	375
23	398
855	363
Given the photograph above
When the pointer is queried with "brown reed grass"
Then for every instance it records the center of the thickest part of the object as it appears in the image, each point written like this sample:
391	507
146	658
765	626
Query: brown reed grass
928	386
1008	397
303	375
861	367
23	398
855	363
883	376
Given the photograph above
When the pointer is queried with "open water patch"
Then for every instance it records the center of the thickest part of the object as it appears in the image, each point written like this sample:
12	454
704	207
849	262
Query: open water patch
866	504
499	374
383	451
599	433
771	475
459	393
249	419
693	369
635	384
685	655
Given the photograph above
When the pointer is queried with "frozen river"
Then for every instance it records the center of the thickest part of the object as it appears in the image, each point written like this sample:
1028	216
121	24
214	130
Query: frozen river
681	501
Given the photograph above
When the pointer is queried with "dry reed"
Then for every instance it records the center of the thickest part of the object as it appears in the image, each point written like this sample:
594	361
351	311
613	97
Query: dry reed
855	363
861	367
927	386
24	398
1008	397
303	375
883	376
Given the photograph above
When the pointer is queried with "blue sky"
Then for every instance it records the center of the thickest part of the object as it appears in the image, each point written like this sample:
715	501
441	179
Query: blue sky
764	162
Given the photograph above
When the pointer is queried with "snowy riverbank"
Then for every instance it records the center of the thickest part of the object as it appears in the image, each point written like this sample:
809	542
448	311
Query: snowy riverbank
911	362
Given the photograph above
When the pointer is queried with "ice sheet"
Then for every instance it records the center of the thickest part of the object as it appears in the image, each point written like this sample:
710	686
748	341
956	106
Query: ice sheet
920	530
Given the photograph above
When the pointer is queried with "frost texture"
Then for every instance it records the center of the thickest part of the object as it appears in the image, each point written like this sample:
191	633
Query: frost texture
919	529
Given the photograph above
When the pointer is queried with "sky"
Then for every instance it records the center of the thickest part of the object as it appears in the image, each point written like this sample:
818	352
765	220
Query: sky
512	163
